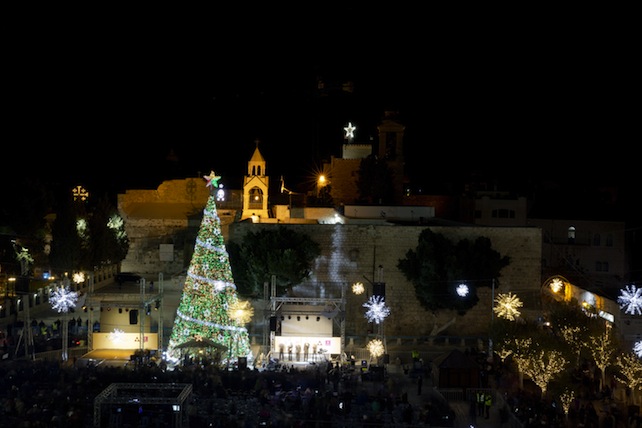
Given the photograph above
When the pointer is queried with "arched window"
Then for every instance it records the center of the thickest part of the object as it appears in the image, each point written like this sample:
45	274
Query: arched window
571	235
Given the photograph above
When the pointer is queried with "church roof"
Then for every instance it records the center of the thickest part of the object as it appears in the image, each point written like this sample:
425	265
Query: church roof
257	156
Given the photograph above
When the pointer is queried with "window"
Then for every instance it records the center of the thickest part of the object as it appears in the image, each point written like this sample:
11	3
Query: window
571	235
609	240
596	239
503	213
601	266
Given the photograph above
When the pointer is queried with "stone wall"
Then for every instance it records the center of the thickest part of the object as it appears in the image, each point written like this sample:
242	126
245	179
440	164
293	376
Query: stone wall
352	252
169	215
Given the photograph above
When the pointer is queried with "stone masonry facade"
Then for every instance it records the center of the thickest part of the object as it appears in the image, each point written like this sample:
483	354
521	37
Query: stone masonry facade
352	252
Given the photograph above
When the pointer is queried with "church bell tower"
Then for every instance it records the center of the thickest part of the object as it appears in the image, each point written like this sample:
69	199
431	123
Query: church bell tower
255	188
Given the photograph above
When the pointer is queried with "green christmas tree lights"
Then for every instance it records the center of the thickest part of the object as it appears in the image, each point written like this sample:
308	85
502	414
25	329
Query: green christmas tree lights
209	292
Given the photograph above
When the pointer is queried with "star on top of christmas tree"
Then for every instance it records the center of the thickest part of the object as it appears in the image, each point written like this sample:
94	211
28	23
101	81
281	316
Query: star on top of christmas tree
212	180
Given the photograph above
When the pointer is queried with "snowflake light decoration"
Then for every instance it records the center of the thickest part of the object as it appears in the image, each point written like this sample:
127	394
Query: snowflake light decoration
358	288
377	309
78	277
63	299
637	348
556	285
462	290
375	347
507	305
631	299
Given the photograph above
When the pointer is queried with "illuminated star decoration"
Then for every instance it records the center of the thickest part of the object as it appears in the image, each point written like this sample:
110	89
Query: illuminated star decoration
375	347
63	299
556	285
507	305
637	348
78	277
350	130
212	180
631	298
241	311
198	337
377	309
462	290
358	288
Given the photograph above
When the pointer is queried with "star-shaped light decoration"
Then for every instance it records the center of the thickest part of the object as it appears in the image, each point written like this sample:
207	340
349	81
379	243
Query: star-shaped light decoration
377	309
631	299
63	299
212	180
637	348
198	337
462	290
350	130
241	311
78	277
375	347
358	288
507	305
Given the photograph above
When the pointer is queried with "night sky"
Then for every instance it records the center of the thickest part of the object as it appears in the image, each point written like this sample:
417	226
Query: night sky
102	101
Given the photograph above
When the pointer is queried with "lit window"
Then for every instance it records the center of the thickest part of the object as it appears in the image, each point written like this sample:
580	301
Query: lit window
571	234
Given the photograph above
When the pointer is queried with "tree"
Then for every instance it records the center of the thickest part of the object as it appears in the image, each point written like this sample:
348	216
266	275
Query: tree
83	240
108	241
209	291
542	366
280	252
603	350
630	372
66	245
437	266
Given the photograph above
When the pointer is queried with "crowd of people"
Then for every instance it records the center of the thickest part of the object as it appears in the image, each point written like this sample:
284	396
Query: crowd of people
45	393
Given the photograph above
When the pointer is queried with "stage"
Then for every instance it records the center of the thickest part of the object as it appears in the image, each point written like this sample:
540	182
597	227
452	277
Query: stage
107	357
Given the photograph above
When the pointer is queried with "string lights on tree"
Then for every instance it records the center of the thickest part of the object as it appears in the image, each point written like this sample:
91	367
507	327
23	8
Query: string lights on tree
567	398
209	295
377	309
507	306
573	336
630	300
630	371
543	366
521	350
602	350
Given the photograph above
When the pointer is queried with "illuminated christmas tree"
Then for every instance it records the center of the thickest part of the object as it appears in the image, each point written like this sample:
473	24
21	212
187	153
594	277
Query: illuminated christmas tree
209	292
